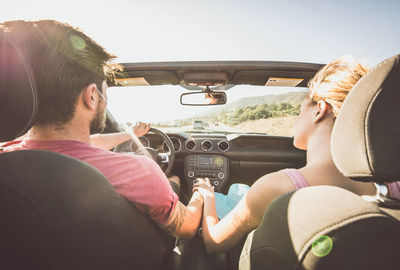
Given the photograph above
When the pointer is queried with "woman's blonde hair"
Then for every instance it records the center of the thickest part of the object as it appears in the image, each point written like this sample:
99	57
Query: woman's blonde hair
335	80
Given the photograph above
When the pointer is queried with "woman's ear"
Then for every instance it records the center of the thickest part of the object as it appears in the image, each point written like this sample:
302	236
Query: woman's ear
322	110
89	96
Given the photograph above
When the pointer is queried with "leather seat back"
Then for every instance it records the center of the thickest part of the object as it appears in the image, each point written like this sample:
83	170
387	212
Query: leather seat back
322	227
60	213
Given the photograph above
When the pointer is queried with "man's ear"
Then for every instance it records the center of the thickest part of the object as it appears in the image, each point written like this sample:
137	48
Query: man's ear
322	110
89	96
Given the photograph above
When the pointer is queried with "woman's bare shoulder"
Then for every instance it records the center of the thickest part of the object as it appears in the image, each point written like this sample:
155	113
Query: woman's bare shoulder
266	189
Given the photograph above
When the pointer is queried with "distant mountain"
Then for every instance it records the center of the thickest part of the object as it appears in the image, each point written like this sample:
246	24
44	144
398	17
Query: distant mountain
293	98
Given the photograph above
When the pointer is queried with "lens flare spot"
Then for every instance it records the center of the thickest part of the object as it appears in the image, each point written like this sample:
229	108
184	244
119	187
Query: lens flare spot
77	42
322	246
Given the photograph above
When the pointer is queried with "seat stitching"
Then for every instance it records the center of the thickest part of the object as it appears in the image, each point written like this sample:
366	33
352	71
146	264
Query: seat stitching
32	88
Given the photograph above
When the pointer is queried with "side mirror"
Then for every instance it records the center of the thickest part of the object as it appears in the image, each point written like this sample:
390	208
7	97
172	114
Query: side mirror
203	98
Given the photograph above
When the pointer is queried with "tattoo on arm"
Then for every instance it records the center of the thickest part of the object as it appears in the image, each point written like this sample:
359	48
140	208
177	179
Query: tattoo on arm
177	219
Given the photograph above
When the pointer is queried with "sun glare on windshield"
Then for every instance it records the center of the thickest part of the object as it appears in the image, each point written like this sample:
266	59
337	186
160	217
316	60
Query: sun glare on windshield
249	109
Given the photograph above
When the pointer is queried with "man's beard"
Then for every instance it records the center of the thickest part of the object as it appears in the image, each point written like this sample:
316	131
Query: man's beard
98	122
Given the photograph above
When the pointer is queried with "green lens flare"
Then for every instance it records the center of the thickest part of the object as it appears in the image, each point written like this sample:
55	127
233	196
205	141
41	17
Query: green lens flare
322	246
77	42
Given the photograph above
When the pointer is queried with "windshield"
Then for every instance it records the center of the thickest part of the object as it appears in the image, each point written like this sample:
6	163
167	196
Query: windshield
249	109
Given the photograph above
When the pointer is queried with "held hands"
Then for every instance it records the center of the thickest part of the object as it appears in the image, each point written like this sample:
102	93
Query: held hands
141	129
204	187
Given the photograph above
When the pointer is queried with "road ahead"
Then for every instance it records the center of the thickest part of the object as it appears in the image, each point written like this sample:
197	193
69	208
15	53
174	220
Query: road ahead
211	127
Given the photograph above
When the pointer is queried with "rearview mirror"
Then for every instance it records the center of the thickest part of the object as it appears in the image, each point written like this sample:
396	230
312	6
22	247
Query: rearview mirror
203	98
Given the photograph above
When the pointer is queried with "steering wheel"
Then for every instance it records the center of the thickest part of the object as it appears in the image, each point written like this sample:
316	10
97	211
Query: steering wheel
164	160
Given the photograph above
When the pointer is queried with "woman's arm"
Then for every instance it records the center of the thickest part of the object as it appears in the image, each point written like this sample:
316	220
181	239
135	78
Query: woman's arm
246	216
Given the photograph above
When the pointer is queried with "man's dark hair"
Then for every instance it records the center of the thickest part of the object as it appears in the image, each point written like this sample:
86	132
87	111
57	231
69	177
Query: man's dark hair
63	61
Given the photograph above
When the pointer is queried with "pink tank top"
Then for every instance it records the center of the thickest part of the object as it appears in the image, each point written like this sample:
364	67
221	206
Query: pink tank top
297	178
299	181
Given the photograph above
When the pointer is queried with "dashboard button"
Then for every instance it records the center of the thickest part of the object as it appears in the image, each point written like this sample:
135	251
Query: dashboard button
216	183
191	174
221	175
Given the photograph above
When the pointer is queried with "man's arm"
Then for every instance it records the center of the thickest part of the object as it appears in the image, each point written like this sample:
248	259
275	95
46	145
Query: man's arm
111	140
184	221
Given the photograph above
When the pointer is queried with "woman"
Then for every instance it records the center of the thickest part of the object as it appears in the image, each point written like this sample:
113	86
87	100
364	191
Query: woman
318	111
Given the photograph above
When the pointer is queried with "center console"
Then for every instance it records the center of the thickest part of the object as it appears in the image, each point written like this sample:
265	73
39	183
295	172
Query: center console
214	167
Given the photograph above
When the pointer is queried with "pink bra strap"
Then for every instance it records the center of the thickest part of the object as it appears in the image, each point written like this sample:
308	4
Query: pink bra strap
297	178
394	190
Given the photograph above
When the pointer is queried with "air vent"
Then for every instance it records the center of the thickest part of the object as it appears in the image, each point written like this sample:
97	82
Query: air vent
206	145
223	146
176	142
190	145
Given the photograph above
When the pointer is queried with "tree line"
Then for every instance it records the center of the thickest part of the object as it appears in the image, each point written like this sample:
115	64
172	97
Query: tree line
263	111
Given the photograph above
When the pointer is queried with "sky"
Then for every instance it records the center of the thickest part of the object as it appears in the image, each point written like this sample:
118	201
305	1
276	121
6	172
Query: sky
173	30
184	30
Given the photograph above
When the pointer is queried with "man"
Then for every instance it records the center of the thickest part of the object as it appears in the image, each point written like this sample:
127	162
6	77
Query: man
70	72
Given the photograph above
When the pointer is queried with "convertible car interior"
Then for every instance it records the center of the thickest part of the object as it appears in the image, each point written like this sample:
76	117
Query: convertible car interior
225	157
61	213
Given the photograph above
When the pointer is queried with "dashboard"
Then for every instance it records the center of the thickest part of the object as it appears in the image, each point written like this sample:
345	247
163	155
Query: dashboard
224	158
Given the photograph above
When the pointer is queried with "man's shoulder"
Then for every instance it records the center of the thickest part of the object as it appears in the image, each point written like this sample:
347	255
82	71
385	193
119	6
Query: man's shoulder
76	149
